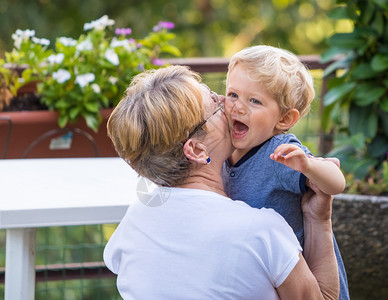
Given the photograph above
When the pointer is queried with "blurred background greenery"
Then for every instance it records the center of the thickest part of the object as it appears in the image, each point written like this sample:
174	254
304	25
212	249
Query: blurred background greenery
204	28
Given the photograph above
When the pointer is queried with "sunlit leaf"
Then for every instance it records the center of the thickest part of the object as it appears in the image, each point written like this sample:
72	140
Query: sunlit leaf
92	121
63	120
170	49
92	106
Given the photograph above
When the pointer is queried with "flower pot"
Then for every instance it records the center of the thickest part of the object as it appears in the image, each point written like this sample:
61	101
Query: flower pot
36	134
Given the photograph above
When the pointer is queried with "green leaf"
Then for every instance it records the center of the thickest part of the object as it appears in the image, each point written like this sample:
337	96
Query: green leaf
330	54
382	3
92	121
362	167
366	12
363	71
379	62
384	104
368	93
339	64
74	113
63	120
342	152
363	120
336	93
378	23
378	147
383	49
62	103
171	50
338	13
350	40
92	107
384	121
358	141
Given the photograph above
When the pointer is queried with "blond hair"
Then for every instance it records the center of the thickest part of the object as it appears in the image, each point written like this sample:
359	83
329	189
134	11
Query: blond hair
282	74
150	124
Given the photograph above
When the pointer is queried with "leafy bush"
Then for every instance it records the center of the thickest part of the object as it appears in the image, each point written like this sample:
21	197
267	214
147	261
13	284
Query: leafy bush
357	100
82	76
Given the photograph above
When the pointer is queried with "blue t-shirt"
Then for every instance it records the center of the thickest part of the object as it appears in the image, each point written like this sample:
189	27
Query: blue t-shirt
261	182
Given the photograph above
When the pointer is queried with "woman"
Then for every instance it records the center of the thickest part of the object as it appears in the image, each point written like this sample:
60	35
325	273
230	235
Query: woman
200	244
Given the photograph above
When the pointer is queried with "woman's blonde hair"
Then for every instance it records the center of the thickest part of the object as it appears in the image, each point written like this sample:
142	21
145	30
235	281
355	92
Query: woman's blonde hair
150	124
281	72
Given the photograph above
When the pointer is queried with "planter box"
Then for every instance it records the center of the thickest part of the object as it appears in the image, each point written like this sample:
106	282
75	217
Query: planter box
360	224
36	134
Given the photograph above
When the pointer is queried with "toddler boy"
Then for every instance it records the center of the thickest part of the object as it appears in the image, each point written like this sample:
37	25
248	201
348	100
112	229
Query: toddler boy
267	90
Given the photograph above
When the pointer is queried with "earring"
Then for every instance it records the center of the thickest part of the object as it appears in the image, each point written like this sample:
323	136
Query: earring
207	159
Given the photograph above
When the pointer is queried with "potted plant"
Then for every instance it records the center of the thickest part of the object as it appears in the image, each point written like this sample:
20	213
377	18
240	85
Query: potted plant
79	80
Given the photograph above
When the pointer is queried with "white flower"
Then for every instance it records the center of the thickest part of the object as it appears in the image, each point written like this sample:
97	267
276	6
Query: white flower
86	45
21	35
84	79
61	75
127	44
56	59
44	42
113	80
68	42
112	57
99	24
96	88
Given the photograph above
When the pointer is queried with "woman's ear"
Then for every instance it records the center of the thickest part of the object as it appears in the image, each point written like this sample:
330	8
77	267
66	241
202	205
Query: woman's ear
288	120
195	151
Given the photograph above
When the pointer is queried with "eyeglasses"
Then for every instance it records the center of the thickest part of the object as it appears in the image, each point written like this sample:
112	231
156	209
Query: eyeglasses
219	106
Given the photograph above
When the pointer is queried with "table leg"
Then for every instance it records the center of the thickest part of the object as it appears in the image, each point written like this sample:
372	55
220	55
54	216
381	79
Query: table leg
20	264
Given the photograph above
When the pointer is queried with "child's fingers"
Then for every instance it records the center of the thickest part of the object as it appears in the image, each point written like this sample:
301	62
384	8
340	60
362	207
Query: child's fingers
293	154
284	150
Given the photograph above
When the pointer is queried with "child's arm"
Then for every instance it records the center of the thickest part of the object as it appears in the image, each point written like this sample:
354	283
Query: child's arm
325	174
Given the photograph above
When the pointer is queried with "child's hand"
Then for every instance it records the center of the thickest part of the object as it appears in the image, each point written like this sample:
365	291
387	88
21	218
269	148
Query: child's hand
291	156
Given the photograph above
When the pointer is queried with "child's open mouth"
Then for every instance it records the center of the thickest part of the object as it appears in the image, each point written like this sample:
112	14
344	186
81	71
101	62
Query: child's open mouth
239	129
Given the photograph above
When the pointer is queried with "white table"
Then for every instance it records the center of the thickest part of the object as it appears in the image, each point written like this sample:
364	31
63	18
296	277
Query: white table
56	192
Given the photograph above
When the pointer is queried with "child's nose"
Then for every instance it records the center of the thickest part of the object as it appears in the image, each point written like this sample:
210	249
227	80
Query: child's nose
238	106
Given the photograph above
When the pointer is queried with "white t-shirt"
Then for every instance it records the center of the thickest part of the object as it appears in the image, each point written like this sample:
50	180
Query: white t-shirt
200	245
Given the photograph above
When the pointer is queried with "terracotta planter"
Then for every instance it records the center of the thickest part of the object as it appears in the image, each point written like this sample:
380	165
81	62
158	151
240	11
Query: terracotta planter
36	134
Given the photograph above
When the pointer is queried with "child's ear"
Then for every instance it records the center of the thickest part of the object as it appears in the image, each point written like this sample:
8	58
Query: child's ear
195	151
288	120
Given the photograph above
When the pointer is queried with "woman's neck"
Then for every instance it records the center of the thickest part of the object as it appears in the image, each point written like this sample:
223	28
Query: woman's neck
205	179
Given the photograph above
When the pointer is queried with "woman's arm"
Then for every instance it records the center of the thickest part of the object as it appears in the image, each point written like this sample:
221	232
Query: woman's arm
316	275
324	173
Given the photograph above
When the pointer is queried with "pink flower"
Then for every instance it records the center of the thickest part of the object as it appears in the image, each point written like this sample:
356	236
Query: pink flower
158	62
162	24
123	31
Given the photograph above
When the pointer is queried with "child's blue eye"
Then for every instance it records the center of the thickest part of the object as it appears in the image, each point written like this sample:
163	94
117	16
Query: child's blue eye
255	101
233	95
